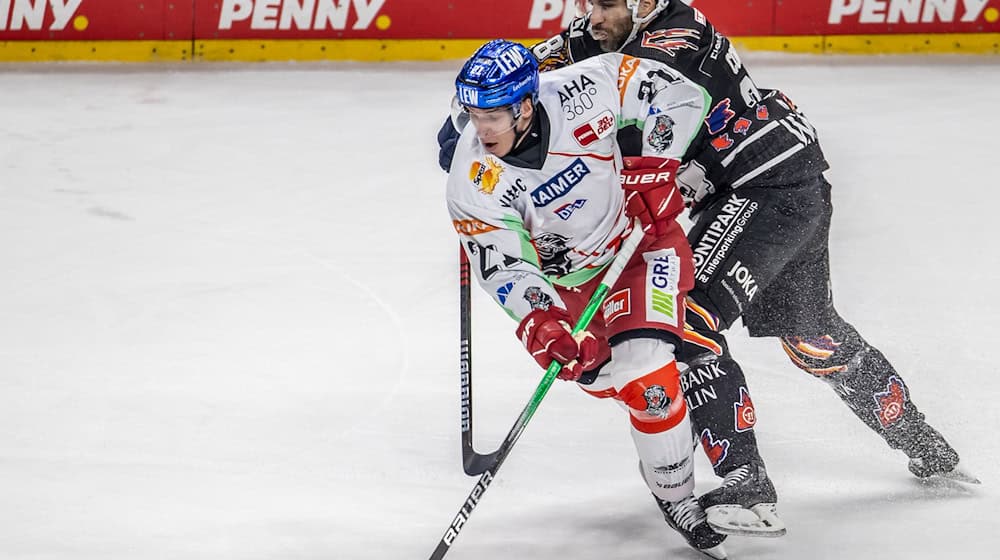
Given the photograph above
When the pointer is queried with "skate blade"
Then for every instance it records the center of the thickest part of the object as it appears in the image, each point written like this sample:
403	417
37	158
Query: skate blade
759	521
717	552
958	474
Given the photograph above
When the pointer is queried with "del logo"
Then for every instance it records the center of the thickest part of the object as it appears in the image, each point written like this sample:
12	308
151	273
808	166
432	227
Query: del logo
618	304
296	14
566	210
486	175
591	131
910	11
891	402
31	15
746	416
717	450
562	183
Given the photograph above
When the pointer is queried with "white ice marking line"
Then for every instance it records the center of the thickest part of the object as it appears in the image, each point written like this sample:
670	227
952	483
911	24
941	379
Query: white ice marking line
404	366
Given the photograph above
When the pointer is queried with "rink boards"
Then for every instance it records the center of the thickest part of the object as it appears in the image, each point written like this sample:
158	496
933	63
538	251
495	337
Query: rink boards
386	30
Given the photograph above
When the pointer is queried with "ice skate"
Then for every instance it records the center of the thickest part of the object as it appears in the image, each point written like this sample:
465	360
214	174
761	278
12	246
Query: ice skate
932	457
745	504
688	519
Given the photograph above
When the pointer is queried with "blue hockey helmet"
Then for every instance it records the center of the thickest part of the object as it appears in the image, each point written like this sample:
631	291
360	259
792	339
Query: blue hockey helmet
500	74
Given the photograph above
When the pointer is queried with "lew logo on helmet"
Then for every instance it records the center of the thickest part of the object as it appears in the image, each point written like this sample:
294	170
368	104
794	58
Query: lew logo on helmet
510	60
468	96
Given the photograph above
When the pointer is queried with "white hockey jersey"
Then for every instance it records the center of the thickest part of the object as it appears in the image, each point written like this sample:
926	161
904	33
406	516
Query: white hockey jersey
527	229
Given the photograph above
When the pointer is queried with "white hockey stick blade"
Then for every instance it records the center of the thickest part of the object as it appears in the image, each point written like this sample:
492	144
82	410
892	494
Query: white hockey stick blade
759	521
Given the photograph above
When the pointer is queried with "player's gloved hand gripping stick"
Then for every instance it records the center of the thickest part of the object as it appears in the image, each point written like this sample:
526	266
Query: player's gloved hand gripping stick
487	465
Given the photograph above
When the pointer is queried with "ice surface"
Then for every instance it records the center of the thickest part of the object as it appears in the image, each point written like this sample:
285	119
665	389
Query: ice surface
228	326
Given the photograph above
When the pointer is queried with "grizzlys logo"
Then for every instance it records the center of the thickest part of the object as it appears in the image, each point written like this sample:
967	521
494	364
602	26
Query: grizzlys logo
671	40
657	401
891	402
746	416
553	253
662	135
717	450
538	299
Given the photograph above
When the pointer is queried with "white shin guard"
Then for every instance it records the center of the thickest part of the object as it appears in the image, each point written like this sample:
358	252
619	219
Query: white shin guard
665	460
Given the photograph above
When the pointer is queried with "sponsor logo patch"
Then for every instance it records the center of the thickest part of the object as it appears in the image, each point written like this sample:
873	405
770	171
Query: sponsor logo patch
746	415
486	175
742	126
719	117
561	184
891	403
618	304
566	210
716	449
723	142
663	271
472	227
593	130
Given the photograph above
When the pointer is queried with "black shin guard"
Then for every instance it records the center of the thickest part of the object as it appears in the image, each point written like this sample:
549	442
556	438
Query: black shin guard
864	379
722	414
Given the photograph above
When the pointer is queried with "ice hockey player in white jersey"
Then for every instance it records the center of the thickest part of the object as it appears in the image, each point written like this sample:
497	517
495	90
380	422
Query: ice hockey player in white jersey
542	198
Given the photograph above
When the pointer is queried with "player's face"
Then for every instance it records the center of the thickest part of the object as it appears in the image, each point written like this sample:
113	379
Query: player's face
610	23
496	128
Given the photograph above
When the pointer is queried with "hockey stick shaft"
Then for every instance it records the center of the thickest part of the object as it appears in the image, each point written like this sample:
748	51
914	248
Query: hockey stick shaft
473	463
625	253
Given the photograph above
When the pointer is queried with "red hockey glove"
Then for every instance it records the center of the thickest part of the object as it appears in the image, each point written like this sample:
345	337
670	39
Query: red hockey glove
651	192
546	335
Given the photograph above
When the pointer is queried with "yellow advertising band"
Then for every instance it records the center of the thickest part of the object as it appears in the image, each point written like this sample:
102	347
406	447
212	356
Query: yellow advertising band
374	50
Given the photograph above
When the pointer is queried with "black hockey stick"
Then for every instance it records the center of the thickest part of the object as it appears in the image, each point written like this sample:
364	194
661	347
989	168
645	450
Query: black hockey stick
474	463
500	455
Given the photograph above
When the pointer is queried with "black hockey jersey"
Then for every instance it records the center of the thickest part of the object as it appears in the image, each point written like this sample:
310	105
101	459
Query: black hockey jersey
751	137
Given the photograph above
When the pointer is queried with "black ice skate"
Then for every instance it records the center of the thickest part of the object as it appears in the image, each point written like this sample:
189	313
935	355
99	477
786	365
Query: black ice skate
688	519
931	456
745	504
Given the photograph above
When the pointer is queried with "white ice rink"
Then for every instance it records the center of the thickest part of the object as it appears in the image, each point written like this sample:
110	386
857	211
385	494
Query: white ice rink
228	326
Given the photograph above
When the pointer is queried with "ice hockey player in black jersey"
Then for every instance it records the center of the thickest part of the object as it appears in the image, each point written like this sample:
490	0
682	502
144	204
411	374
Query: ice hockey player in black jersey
753	179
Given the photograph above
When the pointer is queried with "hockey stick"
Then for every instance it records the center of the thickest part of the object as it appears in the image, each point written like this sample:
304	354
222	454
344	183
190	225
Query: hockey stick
474	463
493	461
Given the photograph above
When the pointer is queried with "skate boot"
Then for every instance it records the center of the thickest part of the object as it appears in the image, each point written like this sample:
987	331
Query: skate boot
745	504
931	456
687	518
